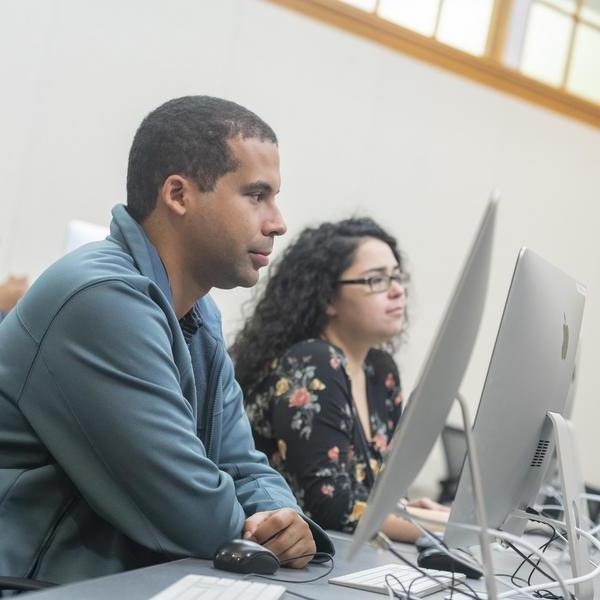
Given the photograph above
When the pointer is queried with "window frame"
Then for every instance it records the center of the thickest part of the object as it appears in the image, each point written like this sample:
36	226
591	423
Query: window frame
486	69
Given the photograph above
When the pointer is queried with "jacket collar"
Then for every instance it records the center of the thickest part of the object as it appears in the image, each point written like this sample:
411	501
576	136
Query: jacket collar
128	232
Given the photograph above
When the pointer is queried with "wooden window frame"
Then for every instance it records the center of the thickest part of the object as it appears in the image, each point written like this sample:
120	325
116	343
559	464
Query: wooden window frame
486	69
576	21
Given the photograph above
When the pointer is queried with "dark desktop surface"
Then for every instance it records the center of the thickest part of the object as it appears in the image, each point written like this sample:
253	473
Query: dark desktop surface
141	584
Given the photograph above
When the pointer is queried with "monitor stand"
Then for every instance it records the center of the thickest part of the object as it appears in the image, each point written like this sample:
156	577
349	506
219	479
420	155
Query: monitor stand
571	483
480	512
561	431
575	511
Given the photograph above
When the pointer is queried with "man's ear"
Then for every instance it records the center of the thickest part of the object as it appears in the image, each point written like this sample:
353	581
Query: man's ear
174	194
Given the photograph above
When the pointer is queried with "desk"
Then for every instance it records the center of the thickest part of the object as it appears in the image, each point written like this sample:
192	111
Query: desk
143	583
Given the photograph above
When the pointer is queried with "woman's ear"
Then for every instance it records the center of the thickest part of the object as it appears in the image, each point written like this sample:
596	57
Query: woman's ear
330	311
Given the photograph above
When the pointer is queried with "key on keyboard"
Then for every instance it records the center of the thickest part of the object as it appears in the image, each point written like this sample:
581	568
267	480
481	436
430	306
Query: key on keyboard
373	580
203	587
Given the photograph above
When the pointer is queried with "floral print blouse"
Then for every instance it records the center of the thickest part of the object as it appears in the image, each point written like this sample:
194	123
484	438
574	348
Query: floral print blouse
303	418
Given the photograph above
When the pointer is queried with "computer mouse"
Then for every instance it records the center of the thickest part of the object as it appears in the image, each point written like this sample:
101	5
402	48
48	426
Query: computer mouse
245	556
423	542
434	558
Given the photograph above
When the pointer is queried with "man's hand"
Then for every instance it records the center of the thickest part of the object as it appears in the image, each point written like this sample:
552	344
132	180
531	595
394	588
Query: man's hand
10	291
285	533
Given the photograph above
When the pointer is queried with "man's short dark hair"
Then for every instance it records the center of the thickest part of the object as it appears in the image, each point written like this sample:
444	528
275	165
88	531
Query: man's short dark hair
187	136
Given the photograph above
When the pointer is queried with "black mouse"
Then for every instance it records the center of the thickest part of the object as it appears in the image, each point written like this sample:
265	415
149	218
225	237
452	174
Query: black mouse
244	556
434	558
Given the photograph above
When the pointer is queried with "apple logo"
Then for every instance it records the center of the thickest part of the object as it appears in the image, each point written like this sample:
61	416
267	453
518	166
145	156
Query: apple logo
565	342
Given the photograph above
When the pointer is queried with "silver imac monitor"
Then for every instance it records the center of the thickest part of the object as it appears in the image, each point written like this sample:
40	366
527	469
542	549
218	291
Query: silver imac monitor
437	385
530	373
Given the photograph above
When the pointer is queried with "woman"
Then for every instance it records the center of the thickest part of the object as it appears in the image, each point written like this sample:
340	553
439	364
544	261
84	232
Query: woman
322	395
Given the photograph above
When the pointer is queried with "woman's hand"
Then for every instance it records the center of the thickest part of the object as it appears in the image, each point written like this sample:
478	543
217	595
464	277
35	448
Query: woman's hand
429	504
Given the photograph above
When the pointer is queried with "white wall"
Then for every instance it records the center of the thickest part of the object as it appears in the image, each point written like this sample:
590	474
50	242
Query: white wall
362	129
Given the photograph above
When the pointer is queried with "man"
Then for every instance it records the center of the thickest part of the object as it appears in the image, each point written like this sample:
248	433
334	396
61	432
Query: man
123	441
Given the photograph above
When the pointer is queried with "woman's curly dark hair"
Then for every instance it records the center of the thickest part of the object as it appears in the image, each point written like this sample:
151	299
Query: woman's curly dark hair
300	287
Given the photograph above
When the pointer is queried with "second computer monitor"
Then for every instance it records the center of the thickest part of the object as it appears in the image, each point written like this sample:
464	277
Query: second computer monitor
529	374
438	384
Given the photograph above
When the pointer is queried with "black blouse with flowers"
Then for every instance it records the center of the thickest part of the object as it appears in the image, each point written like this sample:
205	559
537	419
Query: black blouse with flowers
304	419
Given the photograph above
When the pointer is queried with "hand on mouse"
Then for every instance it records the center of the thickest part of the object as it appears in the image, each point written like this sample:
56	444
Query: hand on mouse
284	532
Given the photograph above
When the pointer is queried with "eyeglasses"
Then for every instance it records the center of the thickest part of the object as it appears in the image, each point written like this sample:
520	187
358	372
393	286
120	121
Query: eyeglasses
379	283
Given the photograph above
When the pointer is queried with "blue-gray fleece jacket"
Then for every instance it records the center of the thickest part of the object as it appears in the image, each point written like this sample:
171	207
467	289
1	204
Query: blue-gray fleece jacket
120	446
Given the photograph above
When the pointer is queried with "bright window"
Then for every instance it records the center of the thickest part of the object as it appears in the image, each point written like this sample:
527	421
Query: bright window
562	45
503	43
465	24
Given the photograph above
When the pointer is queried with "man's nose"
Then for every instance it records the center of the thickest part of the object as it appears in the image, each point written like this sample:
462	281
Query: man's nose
275	224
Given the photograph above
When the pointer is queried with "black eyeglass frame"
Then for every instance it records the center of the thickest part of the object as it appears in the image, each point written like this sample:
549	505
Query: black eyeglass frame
401	278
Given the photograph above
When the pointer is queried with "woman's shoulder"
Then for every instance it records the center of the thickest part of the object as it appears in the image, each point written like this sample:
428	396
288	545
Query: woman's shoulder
315	350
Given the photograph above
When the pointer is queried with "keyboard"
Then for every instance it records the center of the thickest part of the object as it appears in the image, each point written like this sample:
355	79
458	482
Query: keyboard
374	580
203	587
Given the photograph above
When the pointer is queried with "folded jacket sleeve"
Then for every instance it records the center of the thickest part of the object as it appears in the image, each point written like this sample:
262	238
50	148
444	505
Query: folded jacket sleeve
105	397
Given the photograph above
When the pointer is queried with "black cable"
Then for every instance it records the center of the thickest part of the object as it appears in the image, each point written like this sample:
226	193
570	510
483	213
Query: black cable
326	556
555	537
543	548
547	594
299	595
528	560
473	593
395	592
512	578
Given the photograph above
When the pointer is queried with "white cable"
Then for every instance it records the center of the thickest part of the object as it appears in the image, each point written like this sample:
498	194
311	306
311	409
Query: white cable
593	497
542	507
459	559
595	529
415	520
385	542
390	591
572	581
560	580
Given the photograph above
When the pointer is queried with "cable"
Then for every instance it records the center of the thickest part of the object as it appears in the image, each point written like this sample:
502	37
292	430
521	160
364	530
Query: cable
326	556
536	567
387	544
592	497
560	581
392	593
444	548
516	540
527	559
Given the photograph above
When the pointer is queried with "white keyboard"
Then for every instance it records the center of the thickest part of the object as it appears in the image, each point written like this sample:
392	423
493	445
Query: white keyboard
374	580
203	587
